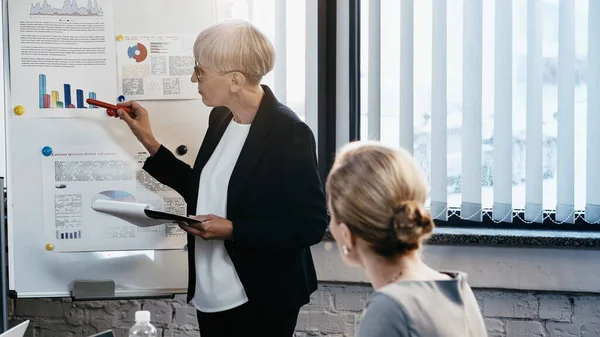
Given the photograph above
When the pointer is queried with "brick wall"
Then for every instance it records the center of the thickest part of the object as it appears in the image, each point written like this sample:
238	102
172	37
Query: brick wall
333	311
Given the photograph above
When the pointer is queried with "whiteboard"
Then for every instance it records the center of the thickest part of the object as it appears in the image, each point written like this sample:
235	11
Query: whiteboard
2	102
35	272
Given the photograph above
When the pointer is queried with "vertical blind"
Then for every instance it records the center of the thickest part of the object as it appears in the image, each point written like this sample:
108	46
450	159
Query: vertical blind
592	192
497	99
503	64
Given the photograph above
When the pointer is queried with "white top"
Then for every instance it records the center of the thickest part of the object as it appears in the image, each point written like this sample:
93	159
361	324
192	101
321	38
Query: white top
218	287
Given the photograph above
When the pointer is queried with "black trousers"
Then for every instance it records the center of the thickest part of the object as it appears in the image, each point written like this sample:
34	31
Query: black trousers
249	320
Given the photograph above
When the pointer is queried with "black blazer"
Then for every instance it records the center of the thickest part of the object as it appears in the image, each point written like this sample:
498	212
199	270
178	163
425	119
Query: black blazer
275	201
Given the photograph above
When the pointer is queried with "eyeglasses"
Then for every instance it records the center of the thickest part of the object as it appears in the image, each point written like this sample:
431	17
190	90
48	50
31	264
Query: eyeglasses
200	77
197	71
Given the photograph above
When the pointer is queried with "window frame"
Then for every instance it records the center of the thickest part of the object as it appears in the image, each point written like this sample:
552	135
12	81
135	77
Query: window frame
327	123
327	23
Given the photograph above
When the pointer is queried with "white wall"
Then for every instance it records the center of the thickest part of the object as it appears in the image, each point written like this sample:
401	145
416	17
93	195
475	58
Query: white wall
550	269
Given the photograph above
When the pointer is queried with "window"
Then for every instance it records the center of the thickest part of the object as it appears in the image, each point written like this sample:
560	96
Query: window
292	26
491	96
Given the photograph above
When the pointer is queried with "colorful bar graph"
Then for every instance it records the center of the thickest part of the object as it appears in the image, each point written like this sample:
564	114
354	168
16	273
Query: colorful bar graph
54	99
80	99
42	90
68	235
50	100
67	95
47	102
92	96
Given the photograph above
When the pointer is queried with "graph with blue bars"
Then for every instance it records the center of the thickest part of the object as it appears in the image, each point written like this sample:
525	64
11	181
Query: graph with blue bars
68	235
52	99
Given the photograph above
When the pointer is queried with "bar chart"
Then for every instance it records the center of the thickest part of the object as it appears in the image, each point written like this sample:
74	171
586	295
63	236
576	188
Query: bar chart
68	235
52	99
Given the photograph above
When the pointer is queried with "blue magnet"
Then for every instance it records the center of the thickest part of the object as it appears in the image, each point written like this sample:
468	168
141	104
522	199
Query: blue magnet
185	248
47	151
121	98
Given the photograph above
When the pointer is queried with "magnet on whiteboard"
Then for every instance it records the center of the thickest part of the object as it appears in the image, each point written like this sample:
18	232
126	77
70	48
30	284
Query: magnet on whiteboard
121	98
49	247
110	112
120	37
46	151
19	110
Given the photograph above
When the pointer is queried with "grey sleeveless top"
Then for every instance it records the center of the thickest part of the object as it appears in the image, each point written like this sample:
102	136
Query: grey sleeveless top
445	308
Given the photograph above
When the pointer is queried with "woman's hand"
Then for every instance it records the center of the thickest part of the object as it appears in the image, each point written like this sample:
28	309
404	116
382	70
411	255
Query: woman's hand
212	227
139	123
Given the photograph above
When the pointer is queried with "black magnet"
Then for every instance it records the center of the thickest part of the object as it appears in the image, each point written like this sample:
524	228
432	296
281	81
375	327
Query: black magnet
181	150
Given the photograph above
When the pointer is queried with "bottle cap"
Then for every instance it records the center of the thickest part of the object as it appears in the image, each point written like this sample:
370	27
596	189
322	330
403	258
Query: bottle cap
142	316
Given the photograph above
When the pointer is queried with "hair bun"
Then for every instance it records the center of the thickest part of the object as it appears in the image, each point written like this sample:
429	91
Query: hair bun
416	213
411	222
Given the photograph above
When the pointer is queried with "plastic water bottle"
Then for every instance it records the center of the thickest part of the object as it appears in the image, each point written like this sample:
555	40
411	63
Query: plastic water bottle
142	327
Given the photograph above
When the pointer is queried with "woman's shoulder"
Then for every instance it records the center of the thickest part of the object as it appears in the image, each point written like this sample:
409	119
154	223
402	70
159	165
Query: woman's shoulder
286	115
382	316
435	305
449	284
277	109
379	301
290	126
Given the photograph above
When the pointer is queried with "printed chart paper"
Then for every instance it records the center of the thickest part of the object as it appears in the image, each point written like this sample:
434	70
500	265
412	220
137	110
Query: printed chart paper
141	215
62	52
74	177
152	67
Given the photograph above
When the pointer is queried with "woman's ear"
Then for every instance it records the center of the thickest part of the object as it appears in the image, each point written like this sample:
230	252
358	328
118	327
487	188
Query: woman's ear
348	247
348	238
237	81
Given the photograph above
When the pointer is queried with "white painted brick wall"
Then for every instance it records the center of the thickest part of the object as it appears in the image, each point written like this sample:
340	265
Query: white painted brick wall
334	311
556	308
524	329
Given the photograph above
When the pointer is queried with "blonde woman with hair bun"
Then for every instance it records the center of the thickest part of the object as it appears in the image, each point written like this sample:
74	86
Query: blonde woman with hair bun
376	197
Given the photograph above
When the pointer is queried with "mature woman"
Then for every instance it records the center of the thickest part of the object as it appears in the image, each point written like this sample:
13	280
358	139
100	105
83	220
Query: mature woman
376	197
255	184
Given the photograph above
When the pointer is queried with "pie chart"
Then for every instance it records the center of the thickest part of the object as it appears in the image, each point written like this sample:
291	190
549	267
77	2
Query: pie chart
114	195
137	52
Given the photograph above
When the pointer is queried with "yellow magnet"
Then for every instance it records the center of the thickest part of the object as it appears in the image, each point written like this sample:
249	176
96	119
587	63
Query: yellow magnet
49	247
328	246
19	110
120	37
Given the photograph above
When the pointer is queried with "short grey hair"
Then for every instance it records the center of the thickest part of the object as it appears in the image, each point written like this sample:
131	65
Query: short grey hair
235	45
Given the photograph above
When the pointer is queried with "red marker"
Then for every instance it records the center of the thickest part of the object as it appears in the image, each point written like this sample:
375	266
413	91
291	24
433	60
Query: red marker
109	107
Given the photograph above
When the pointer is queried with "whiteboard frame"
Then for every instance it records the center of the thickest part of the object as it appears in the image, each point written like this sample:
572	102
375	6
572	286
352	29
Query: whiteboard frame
6	93
6	79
